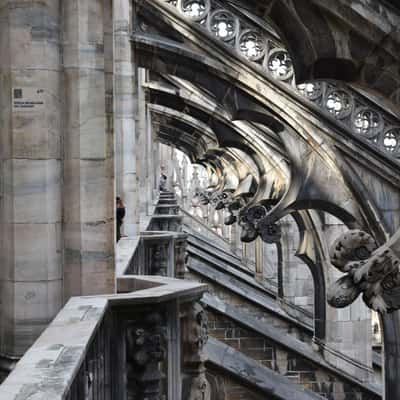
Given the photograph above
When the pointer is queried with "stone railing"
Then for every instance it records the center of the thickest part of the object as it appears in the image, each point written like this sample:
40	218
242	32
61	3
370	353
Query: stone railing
157	253
257	42
143	343
122	346
160	250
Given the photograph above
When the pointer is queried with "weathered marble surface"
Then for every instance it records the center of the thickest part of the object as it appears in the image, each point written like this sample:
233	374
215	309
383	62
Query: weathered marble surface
30	173
48	367
89	203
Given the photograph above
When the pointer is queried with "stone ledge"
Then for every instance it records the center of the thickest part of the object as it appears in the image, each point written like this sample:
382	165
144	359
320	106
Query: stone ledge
49	367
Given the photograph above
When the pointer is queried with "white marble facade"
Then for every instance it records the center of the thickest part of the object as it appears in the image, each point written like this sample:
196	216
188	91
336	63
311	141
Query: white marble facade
57	172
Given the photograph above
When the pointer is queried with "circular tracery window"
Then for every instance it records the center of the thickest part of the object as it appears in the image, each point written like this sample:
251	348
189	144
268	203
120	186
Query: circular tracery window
280	64
223	24
339	103
312	91
195	9
391	140
367	122
252	45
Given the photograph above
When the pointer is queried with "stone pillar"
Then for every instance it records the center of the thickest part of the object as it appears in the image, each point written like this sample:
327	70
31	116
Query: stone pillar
89	197
30	171
125	106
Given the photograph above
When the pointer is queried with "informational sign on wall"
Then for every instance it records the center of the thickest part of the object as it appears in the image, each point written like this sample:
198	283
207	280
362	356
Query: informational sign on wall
28	99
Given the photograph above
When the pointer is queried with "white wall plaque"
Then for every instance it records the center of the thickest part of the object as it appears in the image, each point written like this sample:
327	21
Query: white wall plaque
28	99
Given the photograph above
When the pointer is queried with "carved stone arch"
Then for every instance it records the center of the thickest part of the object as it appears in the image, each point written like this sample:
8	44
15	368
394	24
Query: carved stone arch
314	33
228	134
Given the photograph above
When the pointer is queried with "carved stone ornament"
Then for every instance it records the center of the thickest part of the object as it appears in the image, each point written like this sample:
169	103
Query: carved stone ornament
195	385
221	200
180	257
204	197
233	209
249	232
260	47
198	332
370	270
146	347
253	224
159	259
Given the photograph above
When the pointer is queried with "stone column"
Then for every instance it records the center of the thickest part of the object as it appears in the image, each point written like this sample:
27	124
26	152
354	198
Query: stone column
30	171
89	197
125	106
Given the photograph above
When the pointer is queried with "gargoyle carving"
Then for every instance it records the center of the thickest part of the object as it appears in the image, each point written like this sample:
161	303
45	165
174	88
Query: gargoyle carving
370	270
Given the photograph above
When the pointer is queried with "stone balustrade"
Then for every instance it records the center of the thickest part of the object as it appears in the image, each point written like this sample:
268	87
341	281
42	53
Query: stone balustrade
160	250
157	253
145	342
120	346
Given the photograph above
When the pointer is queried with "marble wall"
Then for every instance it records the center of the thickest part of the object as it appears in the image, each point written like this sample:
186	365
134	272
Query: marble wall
31	134
57	197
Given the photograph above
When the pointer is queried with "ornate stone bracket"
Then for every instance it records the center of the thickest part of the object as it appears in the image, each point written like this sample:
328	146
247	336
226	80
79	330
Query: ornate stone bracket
371	270
146	348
